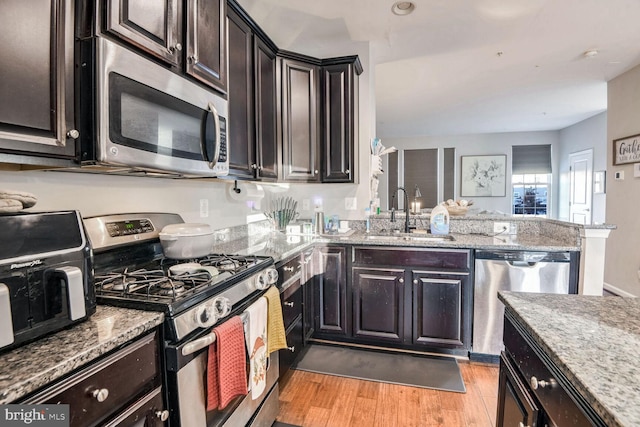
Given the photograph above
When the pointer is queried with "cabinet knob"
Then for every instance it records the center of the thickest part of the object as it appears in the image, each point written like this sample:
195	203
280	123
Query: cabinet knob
316	171
162	415
73	134
401	280
521	424
100	394
259	168
292	348
193	59
178	47
536	383
254	166
289	303
415	281
347	171
288	268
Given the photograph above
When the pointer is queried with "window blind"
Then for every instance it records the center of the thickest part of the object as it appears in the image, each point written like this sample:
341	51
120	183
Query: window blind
530	159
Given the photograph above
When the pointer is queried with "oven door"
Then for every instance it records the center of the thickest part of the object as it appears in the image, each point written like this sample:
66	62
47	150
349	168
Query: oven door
152	118
186	385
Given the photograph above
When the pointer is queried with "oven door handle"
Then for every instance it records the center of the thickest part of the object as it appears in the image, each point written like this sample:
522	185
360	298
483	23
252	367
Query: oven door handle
198	344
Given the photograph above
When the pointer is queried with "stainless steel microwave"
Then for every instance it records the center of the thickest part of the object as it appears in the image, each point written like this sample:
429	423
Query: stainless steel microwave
138	116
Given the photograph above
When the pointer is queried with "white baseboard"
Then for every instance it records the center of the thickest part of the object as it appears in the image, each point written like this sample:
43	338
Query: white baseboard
614	290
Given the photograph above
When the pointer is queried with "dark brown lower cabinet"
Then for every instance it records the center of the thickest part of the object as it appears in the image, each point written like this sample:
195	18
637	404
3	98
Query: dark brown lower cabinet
331	316
378	304
516	407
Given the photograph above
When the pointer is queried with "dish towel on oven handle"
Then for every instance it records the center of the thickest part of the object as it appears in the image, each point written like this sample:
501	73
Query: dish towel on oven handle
256	337
227	365
277	337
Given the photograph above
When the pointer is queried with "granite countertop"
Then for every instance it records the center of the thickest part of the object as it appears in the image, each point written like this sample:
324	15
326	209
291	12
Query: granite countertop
594	341
281	246
37	364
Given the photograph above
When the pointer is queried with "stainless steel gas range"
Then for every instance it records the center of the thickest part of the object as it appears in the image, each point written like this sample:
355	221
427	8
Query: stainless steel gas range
194	295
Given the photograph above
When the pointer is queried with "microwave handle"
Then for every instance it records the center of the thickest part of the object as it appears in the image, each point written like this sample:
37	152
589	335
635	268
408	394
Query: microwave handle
211	153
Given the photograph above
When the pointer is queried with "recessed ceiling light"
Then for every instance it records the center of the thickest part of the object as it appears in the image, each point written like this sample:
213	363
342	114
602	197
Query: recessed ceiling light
403	7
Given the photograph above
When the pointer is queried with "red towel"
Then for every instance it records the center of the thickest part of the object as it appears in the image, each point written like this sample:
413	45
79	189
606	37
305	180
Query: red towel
227	366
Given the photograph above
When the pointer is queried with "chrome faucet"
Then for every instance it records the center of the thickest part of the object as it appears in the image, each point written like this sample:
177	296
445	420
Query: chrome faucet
406	208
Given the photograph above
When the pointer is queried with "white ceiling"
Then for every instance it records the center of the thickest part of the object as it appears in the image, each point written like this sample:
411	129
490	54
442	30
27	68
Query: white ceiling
438	70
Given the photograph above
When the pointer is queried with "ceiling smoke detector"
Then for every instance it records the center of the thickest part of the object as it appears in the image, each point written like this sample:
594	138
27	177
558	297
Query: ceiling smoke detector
403	7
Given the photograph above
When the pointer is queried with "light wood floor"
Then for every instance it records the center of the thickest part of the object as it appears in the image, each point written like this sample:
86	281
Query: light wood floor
310	400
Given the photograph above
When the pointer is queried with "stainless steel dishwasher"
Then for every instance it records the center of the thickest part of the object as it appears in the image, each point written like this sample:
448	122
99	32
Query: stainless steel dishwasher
521	271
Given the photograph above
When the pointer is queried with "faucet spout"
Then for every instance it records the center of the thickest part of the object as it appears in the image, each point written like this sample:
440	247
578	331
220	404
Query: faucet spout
406	207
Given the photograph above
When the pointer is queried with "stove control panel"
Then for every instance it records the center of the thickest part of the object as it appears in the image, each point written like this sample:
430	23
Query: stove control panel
128	227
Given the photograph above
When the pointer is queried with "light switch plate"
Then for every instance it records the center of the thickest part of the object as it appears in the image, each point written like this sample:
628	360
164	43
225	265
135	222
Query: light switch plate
350	203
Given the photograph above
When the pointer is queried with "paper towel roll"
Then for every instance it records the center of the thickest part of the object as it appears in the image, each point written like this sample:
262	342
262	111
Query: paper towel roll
248	191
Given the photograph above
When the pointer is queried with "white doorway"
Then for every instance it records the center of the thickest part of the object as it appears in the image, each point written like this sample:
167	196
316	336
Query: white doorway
581	193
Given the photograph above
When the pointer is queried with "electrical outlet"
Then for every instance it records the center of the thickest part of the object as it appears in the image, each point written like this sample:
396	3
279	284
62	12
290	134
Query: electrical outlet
501	227
204	208
350	203
306	204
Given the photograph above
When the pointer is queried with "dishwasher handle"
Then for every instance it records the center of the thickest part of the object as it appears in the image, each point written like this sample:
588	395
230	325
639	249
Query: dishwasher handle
523	256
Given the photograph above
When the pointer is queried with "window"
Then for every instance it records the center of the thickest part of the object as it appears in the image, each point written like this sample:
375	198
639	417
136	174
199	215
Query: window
531	180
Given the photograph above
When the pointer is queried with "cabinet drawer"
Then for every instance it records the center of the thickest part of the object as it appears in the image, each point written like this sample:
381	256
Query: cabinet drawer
107	386
149	411
291	306
453	259
288	272
557	403
294	347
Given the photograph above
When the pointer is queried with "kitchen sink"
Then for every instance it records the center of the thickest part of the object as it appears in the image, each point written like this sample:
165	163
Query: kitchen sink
410	237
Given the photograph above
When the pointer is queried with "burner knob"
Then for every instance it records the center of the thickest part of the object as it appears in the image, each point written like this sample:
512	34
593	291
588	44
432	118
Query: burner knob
205	315
266	278
272	275
223	306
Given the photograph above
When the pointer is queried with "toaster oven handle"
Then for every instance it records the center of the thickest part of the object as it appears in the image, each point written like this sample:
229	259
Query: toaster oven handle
211	149
75	291
6	331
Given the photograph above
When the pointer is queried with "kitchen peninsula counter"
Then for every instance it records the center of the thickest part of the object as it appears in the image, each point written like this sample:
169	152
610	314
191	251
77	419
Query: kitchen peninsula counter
35	365
593	341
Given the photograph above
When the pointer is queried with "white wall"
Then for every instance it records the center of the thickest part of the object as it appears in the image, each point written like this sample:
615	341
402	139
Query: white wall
588	134
623	254
485	144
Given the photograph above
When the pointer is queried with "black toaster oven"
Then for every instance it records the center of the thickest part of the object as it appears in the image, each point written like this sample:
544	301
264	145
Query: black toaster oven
46	275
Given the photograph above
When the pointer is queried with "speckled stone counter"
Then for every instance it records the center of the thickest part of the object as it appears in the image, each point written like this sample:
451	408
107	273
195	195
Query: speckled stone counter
594	341
37	364
281	246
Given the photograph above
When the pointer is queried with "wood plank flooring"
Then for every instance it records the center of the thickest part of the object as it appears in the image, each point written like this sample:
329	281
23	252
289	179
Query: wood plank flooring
309	400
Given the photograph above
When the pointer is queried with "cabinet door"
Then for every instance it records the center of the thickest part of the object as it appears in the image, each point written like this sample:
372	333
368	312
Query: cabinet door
206	42
240	127
516	407
153	26
266	111
300	119
331	291
378	304
37	84
440	309
340	122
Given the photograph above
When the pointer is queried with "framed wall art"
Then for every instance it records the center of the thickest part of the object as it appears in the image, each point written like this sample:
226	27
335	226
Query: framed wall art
626	150
483	176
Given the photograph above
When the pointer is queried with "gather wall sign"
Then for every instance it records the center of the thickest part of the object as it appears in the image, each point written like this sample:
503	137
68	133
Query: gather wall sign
626	150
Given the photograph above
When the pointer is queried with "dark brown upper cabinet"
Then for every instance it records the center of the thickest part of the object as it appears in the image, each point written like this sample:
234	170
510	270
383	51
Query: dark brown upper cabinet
153	26
300	121
340	124
37	124
206	42
252	100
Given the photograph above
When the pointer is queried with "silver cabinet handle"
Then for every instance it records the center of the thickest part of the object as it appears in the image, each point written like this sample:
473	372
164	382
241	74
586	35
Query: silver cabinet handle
292	348
401	280
316	171
100	394
178	47
162	415
288	304
73	134
254	166
536	383
347	171
288	268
